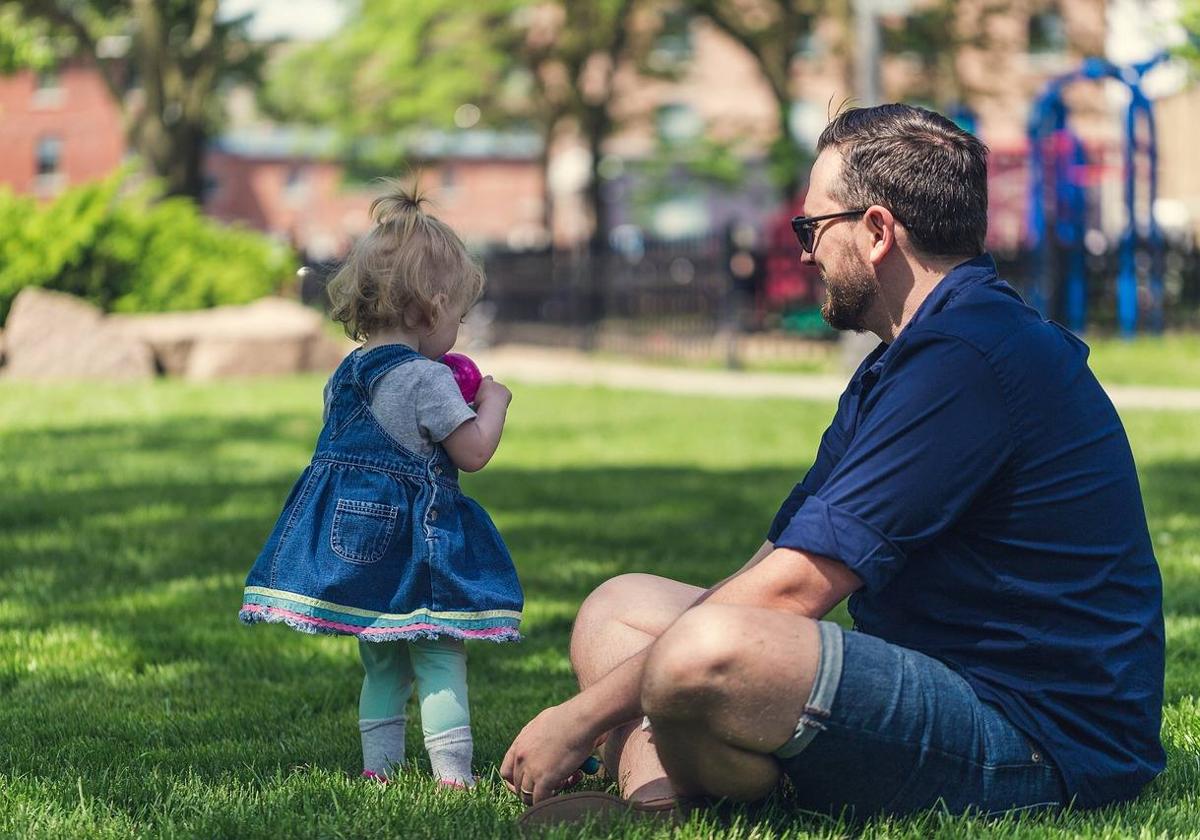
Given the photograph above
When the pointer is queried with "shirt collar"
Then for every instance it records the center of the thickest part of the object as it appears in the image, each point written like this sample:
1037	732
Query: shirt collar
976	270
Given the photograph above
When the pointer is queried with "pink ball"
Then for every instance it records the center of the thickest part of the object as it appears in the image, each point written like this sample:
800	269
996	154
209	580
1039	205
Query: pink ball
466	374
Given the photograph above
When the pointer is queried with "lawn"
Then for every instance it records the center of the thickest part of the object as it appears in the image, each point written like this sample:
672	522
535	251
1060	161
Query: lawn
134	704
1171	360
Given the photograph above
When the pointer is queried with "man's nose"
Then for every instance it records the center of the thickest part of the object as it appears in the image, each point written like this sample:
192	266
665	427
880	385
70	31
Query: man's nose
807	258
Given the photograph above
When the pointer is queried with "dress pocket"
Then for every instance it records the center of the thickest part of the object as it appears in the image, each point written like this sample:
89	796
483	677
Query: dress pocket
362	530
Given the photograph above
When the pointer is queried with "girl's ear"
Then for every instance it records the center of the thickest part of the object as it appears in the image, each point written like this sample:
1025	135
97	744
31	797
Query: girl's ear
437	311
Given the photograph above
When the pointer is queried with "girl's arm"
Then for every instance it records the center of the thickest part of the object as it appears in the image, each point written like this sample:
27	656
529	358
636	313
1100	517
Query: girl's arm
473	444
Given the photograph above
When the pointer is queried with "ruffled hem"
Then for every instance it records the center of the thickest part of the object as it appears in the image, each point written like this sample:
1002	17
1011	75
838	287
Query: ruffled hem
261	613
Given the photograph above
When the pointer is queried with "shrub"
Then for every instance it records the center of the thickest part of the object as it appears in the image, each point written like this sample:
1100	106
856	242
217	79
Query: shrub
128	250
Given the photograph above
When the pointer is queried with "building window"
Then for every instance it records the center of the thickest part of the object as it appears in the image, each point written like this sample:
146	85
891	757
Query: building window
49	155
678	123
1047	33
808	45
48	163
48	91
449	181
673	46
297	184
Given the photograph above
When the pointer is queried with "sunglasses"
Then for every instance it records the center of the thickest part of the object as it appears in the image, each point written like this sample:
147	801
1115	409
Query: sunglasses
805	227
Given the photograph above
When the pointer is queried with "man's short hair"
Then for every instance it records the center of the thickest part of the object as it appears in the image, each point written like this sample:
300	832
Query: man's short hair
930	173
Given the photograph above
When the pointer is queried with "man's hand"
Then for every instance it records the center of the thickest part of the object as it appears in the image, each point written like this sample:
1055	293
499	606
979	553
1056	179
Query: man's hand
543	756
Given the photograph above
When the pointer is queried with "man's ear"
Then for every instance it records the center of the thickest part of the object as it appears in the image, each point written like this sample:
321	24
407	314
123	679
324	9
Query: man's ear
881	225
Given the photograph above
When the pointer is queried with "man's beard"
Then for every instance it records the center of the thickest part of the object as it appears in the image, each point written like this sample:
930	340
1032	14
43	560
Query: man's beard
848	298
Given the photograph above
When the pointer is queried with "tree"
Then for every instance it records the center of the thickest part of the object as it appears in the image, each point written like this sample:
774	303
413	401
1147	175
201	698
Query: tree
571	49
395	65
174	52
401	65
773	32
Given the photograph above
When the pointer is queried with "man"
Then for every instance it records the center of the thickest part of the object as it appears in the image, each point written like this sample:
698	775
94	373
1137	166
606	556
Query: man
975	497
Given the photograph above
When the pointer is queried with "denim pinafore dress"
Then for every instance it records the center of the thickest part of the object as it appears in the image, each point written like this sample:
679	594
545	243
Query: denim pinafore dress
378	542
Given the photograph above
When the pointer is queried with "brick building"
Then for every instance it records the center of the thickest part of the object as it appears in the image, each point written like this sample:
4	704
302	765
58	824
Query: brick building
488	187
56	129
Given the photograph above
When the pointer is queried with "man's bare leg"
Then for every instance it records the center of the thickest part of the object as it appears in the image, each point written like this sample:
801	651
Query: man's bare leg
724	687
622	617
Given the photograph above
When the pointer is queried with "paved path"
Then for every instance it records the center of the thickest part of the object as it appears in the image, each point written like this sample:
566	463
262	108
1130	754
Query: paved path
558	366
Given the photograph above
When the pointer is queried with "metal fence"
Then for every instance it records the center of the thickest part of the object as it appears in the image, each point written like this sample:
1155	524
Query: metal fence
685	300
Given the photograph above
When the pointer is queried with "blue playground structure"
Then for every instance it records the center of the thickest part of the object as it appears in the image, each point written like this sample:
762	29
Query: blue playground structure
1057	183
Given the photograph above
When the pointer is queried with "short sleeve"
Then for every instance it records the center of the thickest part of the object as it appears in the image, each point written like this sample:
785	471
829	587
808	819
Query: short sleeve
440	405
931	436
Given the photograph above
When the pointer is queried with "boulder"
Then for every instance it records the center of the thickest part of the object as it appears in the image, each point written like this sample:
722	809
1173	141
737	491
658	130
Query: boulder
221	358
51	335
326	352
269	337
55	335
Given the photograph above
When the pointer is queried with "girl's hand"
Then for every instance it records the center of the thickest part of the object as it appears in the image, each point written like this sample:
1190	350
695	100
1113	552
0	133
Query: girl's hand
491	390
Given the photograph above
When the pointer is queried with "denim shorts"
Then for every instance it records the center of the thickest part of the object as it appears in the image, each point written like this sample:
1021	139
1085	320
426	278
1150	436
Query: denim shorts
887	730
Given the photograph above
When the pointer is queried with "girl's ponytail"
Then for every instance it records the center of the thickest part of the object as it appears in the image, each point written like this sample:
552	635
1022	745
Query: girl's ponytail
398	204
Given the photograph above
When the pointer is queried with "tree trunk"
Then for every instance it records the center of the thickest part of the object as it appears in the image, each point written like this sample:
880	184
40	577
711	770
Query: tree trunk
596	128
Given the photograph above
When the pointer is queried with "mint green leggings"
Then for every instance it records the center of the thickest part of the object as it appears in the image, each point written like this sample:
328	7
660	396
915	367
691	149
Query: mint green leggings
438	667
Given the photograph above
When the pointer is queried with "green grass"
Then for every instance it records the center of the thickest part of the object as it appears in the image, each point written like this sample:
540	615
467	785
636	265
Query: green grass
1171	360
132	703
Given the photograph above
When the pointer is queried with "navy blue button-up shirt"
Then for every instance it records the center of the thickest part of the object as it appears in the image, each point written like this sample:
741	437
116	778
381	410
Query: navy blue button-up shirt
979	482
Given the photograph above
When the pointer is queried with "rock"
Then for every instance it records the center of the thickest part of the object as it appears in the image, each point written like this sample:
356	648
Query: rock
51	335
325	353
54	335
269	337
220	358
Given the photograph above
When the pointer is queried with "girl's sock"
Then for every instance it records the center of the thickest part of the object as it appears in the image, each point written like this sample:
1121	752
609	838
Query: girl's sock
387	685
450	754
382	745
440	666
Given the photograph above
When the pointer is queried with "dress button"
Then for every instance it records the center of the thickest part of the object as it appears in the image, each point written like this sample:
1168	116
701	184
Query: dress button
437	470
1036	758
433	516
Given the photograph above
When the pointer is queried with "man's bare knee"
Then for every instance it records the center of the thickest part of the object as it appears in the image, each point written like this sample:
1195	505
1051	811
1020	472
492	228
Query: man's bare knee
607	605
690	665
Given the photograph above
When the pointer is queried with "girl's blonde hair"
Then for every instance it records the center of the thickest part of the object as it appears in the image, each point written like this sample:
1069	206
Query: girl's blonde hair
406	272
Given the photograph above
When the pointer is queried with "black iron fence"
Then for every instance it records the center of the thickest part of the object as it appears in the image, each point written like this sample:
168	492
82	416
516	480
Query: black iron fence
691	299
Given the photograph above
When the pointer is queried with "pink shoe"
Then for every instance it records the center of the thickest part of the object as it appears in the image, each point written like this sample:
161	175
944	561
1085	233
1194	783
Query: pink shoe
456	784
375	777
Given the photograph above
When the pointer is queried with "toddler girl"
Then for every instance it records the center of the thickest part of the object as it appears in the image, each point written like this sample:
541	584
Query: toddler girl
376	540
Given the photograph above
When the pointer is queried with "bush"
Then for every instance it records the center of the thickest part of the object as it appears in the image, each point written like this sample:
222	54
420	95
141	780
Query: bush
128	250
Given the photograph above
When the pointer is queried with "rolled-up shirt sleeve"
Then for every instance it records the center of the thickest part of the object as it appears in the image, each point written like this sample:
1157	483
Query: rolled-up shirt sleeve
930	436
829	453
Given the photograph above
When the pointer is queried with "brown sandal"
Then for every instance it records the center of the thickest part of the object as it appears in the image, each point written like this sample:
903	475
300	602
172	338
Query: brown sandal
598	808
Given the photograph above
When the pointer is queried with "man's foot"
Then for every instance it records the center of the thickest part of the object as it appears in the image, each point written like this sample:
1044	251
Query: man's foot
598	809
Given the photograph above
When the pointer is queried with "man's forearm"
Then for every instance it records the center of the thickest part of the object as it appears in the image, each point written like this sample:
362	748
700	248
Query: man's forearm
614	699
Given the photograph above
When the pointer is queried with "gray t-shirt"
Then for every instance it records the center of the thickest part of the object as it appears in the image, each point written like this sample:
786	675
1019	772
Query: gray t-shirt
418	403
